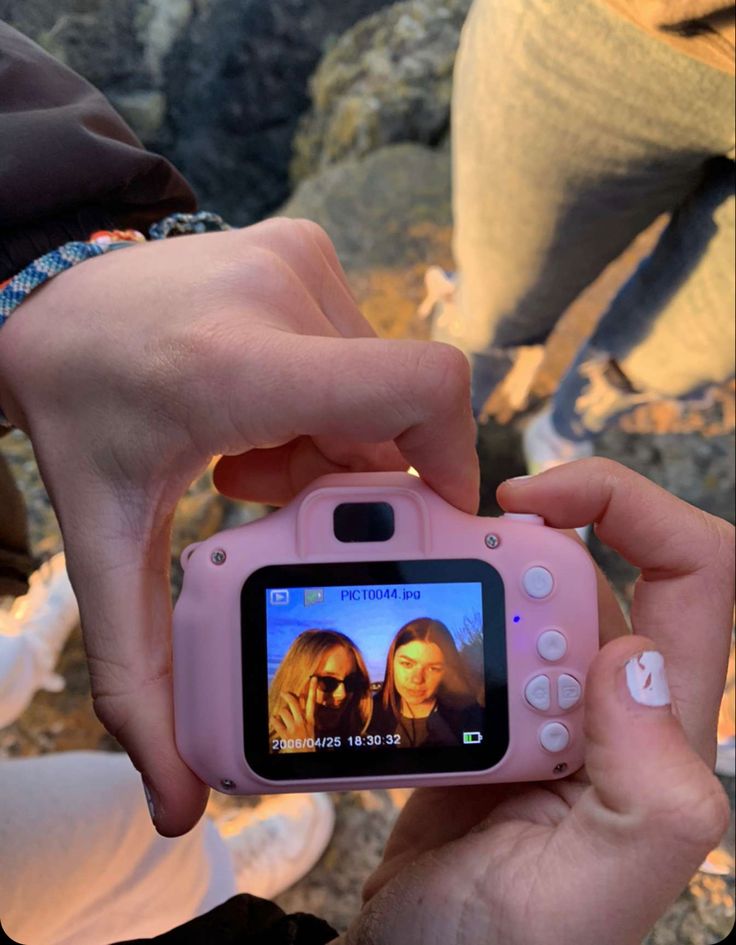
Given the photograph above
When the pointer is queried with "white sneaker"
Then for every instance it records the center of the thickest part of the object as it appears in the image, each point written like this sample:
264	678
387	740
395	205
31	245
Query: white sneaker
278	842
439	307
544	448
46	615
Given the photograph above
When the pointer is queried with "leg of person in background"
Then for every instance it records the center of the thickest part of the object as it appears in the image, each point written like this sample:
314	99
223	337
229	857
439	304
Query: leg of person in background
80	861
668	334
572	131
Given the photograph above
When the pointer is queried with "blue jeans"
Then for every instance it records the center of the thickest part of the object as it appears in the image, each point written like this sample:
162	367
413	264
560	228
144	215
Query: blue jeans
573	130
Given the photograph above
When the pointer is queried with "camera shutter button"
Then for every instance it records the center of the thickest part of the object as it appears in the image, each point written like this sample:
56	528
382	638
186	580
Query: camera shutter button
524	517
538	582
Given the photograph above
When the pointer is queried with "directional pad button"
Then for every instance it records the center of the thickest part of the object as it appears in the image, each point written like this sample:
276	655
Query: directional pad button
537	693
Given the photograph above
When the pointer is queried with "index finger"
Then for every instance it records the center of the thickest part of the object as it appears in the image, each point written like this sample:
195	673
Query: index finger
367	390
311	700
652	529
683	600
292	703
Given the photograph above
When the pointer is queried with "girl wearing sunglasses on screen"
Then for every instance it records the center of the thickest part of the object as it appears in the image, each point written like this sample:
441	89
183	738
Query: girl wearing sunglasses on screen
320	693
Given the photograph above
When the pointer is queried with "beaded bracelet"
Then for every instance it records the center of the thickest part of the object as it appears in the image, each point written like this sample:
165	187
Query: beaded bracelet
17	289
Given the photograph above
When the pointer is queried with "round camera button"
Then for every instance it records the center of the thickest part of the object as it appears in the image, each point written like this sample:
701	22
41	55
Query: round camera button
554	736
537	693
538	582
569	691
551	645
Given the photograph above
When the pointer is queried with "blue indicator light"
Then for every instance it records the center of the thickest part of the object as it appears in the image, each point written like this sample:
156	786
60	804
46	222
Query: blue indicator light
517	618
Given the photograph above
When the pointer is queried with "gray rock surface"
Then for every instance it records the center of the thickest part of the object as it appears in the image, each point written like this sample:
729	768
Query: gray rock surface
230	76
238	80
388	79
143	109
97	38
388	214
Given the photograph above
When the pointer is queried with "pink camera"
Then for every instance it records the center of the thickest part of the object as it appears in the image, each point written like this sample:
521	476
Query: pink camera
371	635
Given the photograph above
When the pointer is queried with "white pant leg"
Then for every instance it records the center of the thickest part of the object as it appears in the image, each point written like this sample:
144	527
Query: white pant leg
80	861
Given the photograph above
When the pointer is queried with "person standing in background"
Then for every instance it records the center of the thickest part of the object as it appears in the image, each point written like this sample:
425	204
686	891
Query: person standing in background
574	126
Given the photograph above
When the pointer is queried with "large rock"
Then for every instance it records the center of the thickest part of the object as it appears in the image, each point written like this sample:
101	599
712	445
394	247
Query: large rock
215	85
388	79
237	85
389	216
121	46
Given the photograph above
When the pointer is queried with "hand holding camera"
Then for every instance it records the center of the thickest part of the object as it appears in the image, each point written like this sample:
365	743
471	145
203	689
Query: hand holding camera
599	856
239	343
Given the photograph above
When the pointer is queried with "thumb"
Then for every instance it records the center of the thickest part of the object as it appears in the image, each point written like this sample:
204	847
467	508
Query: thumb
120	573
654	809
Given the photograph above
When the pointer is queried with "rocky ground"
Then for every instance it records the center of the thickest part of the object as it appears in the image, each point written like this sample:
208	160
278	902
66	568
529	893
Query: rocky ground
386	205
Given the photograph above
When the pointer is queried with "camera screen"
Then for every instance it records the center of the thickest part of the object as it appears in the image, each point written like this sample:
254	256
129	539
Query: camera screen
396	666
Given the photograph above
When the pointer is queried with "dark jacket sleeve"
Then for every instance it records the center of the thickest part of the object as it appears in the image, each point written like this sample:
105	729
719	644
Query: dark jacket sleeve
68	163
247	920
242	920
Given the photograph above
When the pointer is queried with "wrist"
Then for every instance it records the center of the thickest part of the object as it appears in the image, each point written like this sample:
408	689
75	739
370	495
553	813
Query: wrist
15	290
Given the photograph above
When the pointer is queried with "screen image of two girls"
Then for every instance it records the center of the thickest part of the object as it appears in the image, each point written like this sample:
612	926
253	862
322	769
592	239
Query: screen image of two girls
375	666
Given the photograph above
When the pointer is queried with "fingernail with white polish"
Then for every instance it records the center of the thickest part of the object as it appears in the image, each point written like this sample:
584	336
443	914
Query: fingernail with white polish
149	801
519	478
647	680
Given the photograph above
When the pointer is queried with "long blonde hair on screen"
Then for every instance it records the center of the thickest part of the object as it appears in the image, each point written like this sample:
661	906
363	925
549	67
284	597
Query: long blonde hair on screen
304	658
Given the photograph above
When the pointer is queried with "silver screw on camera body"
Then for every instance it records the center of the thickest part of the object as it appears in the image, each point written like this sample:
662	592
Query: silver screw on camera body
558	769
218	556
492	541
227	784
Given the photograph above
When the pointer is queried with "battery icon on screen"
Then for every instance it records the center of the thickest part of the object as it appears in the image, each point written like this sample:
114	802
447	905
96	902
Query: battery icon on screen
472	738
